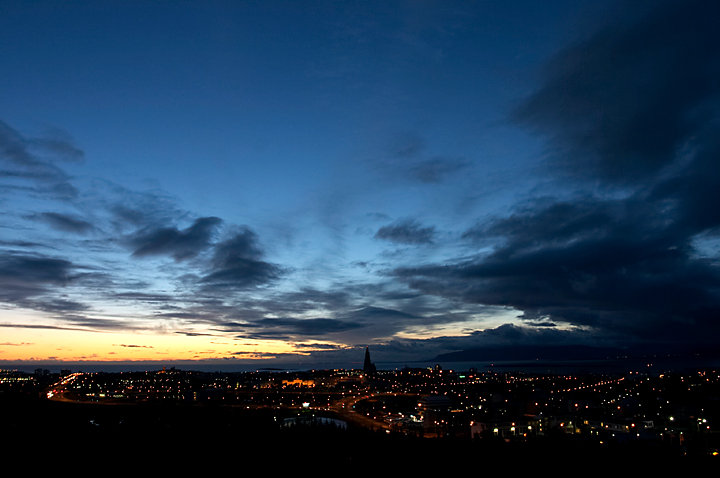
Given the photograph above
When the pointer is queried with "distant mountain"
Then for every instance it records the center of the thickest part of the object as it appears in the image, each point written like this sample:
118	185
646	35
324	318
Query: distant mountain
532	352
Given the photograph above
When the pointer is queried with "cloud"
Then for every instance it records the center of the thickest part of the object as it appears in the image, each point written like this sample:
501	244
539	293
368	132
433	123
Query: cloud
237	263
194	334
635	106
22	163
402	157
273	314
622	103
515	335
148	223
129	215
616	266
380	314
27	276
317	346
562	221
436	170
64	223
143	297
286	328
181	245
98	324
22	244
407	232
352	321
59	306
50	286
378	216
405	145
136	212
37	326
60	144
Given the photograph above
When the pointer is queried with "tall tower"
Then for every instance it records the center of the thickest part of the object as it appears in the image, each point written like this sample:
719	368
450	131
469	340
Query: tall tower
368	367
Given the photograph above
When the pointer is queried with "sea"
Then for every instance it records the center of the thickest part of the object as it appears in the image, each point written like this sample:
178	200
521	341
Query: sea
619	365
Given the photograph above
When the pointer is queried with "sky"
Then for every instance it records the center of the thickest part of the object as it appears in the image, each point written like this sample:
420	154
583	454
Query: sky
276	181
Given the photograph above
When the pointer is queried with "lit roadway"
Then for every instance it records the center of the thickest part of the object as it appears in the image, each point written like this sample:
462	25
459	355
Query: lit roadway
57	391
344	408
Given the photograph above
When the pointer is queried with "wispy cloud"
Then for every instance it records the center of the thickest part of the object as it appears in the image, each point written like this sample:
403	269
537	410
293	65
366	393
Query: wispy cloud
20	162
63	222
406	232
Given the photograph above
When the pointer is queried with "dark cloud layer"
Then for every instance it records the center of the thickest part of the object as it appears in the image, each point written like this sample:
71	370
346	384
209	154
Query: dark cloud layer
407	232
27	276
181	245
621	104
638	107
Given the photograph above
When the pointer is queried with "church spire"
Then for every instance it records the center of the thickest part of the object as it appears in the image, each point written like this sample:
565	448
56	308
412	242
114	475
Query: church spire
368	367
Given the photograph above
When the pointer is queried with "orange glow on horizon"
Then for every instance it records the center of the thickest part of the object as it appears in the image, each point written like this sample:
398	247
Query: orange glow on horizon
45	344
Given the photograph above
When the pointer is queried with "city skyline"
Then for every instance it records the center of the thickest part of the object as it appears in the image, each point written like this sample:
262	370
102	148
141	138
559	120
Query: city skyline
280	182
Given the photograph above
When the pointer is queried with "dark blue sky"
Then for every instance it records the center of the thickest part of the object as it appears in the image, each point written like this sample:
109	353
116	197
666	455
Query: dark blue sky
296	180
